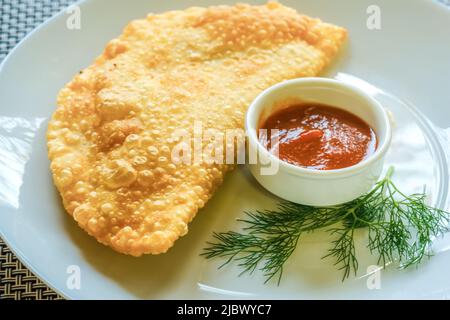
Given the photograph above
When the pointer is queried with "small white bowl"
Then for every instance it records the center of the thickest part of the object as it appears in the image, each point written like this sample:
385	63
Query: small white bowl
309	186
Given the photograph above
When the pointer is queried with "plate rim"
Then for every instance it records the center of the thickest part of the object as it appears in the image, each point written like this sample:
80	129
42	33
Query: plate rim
18	253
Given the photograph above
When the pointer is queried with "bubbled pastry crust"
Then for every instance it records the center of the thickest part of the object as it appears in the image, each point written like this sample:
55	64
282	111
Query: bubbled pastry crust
110	138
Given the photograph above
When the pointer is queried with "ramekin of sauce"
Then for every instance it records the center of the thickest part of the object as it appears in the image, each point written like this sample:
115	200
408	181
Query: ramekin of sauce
317	141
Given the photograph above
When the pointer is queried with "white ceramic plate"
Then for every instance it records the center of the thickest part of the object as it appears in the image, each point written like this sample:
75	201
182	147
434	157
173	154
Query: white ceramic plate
409	57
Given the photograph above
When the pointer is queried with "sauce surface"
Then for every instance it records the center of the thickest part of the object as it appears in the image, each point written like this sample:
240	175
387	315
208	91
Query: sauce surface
319	137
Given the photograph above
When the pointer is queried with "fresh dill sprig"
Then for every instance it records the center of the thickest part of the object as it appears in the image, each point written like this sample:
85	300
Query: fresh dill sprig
399	228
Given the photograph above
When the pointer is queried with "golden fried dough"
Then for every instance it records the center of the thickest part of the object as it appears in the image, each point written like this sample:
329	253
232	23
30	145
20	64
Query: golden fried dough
110	139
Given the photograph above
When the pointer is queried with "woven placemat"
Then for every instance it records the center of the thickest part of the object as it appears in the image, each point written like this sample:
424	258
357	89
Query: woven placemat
17	18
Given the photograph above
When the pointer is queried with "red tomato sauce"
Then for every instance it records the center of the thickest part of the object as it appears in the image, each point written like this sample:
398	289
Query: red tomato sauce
319	137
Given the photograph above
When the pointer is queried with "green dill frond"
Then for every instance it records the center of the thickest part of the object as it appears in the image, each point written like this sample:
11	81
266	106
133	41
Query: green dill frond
400	228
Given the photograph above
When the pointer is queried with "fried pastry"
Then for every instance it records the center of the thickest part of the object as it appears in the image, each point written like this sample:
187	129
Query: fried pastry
111	136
